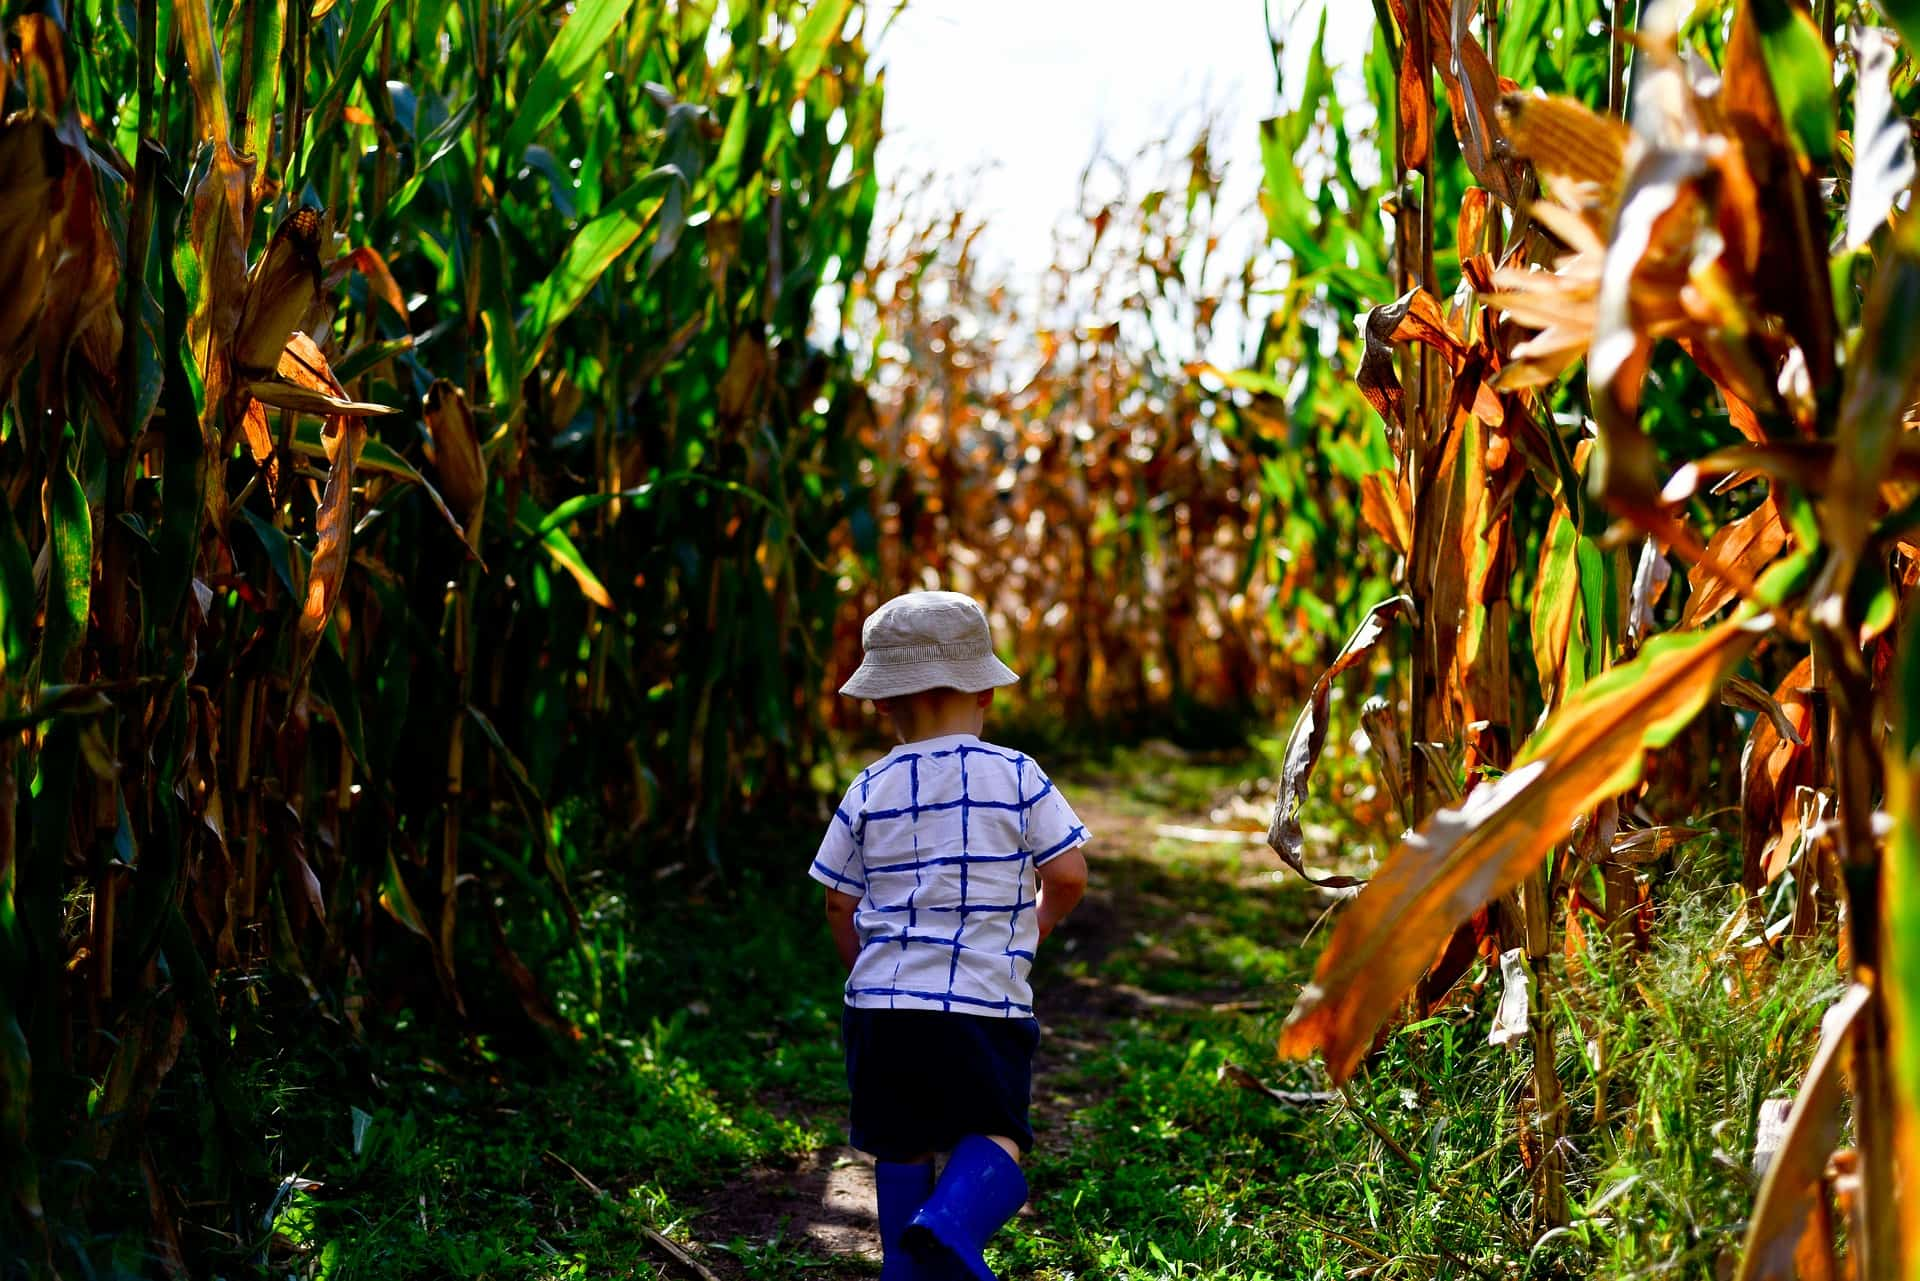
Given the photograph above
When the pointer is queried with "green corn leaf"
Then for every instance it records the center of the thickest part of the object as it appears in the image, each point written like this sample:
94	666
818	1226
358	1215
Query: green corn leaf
288	558
595	249
565	69
362	27
529	518
203	68
581	504
818	31
438	145
398	900
1802	73
1556	608
184	473
70	526
263	79
529	794
16	602
1882	379
1901	892
335	684
1905	17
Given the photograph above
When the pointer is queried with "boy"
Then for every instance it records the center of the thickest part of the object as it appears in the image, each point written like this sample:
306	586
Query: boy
946	864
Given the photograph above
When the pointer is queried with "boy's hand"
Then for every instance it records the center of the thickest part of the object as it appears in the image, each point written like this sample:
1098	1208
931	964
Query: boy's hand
1063	879
840	909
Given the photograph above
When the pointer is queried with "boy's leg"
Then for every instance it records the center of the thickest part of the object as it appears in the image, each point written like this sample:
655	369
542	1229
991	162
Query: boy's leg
900	1189
980	1190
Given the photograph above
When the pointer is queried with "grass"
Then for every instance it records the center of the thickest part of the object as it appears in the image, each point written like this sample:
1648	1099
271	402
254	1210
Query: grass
715	1052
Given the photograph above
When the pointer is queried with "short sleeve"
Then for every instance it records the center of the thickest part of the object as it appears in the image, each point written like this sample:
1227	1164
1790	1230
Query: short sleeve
838	865
1050	825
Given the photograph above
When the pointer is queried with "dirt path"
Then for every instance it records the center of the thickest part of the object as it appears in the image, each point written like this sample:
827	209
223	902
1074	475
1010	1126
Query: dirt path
819	1215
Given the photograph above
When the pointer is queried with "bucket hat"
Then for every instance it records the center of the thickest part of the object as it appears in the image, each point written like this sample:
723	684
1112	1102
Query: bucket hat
927	640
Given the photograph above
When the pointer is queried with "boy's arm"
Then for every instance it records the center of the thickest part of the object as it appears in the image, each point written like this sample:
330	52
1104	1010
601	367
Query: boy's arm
1063	879
840	909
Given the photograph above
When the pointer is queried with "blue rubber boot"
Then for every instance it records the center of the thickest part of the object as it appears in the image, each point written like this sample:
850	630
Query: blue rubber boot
981	1189
900	1188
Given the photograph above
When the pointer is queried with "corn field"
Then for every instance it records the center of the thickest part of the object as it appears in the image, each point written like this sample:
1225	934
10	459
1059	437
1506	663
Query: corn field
390	437
449	449
1685	238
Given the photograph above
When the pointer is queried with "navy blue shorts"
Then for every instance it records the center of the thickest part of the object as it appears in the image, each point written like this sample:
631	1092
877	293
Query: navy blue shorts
922	1080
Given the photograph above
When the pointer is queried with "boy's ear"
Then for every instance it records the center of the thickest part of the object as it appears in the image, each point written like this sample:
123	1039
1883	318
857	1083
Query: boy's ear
984	699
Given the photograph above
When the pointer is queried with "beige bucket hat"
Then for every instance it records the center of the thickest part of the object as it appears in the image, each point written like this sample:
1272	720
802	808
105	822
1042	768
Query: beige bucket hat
927	640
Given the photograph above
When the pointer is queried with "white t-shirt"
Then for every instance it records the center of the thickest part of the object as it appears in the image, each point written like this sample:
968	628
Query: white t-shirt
940	839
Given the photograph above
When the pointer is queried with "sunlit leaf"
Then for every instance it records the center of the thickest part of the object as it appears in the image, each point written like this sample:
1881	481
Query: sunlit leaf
1802	74
1556	602
1882	141
1900	900
564	69
592	252
529	518
1465	856
69	589
203	65
304	400
334	526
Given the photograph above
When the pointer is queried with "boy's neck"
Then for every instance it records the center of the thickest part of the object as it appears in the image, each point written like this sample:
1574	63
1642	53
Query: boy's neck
920	732
916	720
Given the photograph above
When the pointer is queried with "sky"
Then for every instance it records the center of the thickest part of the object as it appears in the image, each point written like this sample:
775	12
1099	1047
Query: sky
1029	87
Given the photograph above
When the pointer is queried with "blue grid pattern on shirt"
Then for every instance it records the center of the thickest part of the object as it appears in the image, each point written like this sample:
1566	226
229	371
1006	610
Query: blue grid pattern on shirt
859	826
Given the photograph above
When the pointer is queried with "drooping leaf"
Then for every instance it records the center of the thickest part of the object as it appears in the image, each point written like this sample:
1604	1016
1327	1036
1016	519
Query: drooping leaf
398	900
1415	99
812	41
379	277
220	231
1309	736
377	456
1656	190
1749	544
32	164
183	485
556	544
1470	854
304	400
334	525
1793	1178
